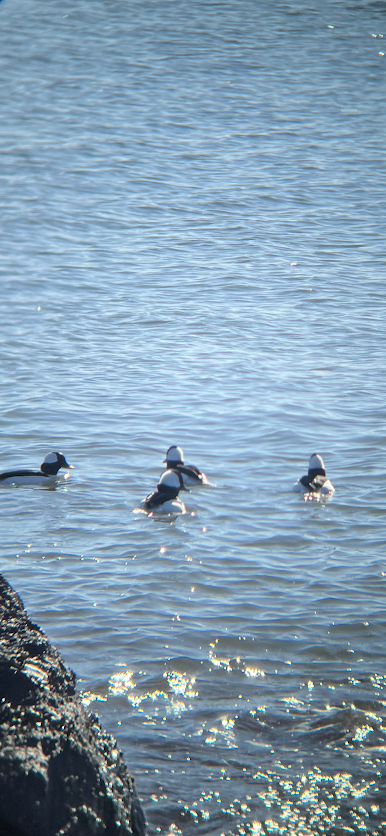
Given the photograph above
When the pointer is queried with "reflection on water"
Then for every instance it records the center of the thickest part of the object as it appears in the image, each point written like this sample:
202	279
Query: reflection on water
193	254
249	770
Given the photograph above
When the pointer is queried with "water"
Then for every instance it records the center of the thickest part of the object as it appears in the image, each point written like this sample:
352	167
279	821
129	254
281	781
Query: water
192	212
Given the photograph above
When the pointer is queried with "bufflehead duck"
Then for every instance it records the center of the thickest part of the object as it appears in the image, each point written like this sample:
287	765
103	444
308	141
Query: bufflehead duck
191	475
164	499
45	476
315	482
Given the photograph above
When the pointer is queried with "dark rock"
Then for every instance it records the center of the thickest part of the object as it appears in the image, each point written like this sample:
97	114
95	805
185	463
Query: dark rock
60	774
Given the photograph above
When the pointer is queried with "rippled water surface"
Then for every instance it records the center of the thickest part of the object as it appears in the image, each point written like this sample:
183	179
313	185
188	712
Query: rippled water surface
192	208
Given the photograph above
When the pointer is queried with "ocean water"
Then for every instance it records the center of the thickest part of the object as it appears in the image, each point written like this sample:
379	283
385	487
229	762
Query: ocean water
192	213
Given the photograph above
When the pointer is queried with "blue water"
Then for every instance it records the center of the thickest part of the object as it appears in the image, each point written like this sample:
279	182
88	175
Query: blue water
192	213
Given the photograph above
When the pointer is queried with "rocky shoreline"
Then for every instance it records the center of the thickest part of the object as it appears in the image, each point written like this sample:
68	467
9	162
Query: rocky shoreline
60	773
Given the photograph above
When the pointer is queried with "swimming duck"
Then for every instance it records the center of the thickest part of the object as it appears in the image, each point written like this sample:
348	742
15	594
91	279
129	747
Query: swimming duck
164	499
45	476
191	475
316	481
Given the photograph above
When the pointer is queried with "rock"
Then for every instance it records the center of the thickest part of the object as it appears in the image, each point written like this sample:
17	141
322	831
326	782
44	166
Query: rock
60	774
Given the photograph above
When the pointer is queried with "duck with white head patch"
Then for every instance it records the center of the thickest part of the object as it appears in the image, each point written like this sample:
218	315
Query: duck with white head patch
191	475
316	481
165	499
45	477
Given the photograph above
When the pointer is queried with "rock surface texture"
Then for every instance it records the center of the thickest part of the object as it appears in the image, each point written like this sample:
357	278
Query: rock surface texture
60	774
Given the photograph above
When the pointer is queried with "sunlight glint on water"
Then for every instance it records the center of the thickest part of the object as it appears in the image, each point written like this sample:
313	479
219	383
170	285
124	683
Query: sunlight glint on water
192	204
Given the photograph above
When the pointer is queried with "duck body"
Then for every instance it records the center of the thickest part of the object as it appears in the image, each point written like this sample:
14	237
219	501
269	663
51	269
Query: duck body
316	480
164	499
46	476
191	475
